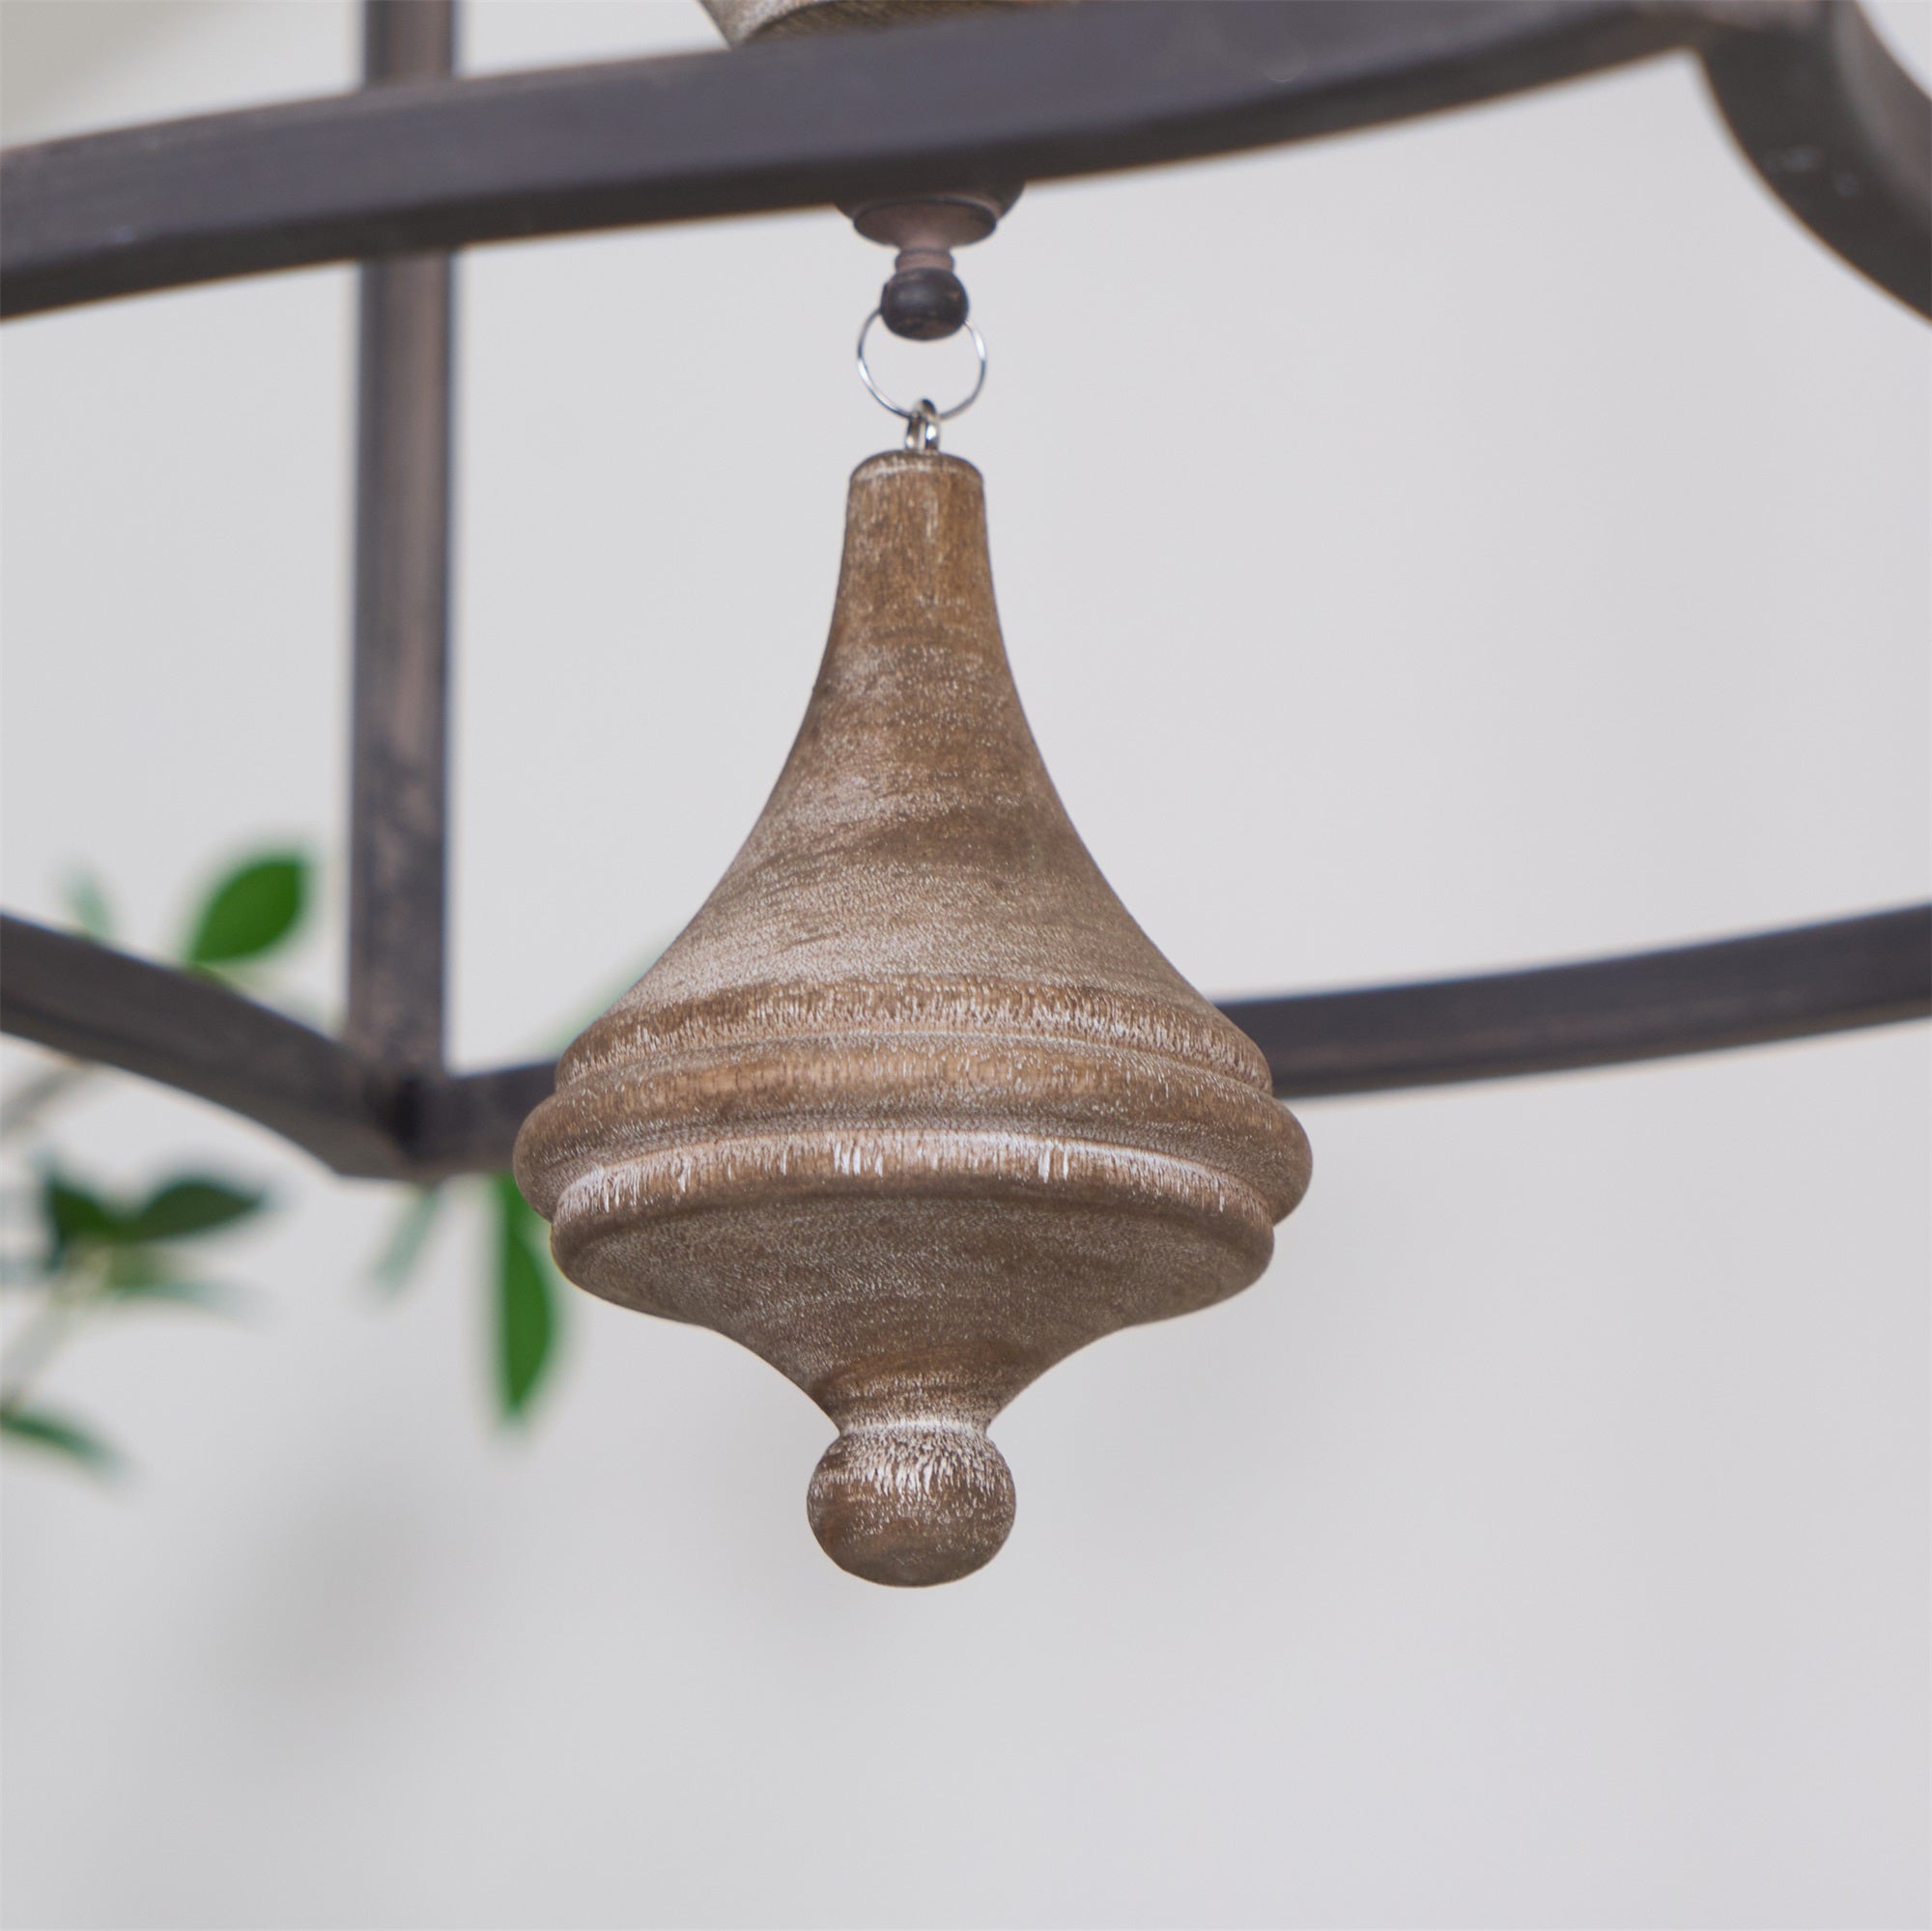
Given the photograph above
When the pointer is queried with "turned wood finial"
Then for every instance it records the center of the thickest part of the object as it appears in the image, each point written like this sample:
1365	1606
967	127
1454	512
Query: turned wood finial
912	1108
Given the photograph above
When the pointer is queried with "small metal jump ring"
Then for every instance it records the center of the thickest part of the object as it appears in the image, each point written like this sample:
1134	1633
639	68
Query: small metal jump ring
922	428
923	422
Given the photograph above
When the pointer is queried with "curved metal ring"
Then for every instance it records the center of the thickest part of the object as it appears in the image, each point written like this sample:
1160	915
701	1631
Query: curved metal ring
1831	121
905	414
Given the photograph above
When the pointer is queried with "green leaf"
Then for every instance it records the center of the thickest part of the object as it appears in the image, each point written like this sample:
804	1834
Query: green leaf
196	1204
525	1301
404	1247
40	1429
87	906
209	1296
193	1205
256	907
135	1274
74	1218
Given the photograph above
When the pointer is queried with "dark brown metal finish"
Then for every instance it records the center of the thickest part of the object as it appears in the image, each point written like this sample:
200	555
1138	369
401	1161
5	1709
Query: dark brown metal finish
1792	984
408	40
468	1122
1810	93
1822	111
399	781
791	124
1869	971
190	1033
1843	135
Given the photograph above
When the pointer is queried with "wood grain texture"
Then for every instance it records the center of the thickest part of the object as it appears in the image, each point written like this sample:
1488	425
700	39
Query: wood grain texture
359	1117
912	1108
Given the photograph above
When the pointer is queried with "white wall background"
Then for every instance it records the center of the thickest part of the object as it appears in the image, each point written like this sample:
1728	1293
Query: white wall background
1506	538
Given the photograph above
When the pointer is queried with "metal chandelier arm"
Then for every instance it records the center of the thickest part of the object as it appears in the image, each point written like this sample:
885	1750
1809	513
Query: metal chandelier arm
803	123
1841	133
1835	125
196	1036
1791	984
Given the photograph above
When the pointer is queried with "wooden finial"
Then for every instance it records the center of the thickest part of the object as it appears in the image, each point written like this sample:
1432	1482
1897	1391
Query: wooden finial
912	1108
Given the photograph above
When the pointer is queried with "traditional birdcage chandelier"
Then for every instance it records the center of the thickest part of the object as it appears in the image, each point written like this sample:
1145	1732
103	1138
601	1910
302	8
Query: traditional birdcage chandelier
912	1108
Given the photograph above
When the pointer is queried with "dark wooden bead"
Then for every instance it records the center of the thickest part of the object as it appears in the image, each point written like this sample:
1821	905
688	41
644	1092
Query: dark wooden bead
924	305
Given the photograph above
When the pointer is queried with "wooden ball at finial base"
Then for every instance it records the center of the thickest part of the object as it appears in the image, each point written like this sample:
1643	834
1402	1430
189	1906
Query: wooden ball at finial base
911	1502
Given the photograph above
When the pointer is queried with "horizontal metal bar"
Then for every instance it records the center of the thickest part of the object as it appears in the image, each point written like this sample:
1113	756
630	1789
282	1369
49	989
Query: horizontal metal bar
1867	971
469	1123
1737	992
1842	134
193	1034
791	124
190	1033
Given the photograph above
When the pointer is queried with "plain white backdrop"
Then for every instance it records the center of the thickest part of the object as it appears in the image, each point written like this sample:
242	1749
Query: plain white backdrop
1492	540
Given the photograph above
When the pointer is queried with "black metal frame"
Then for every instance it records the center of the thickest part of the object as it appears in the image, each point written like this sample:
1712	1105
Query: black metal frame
417	162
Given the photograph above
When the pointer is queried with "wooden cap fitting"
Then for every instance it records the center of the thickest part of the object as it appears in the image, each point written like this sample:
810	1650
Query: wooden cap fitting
923	300
912	1108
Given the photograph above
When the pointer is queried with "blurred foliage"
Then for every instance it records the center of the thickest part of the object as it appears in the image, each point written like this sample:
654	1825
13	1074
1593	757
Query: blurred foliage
525	1306
89	1252
527	1301
77	1220
398	1259
253	909
65	1438
95	1253
100	1254
87	906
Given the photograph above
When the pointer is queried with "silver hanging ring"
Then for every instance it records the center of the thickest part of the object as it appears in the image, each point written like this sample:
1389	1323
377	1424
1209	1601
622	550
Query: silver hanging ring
923	422
922	427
